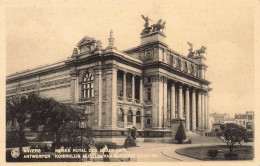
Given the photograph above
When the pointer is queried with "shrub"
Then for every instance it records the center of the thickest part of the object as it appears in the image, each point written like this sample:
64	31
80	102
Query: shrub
129	141
13	140
180	135
212	153
101	145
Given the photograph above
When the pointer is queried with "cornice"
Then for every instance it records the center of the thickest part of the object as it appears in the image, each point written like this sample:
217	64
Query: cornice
171	69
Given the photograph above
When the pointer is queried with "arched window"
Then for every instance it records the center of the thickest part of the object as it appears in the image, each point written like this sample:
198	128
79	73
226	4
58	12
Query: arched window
87	85
130	116
138	117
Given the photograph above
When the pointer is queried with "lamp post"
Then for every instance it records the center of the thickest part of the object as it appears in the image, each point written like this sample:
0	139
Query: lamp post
82	126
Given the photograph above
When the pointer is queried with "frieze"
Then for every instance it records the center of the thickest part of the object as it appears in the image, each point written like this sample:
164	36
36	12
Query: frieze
27	88
55	82
110	66
157	78
98	67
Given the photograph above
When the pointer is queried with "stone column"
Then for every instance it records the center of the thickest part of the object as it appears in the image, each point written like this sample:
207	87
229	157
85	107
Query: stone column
205	111
180	103
165	102
193	127
133	88
173	100
141	89
199	110
98	94
134	119
142	119
111	95
187	109
202	111
124	86
125	119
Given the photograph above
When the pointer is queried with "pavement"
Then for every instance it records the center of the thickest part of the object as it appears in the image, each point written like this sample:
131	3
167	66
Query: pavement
165	152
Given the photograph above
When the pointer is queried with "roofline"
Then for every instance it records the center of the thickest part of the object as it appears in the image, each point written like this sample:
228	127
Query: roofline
39	69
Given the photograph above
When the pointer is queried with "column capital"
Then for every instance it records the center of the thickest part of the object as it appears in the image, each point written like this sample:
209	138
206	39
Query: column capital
180	84
187	88
194	89
172	81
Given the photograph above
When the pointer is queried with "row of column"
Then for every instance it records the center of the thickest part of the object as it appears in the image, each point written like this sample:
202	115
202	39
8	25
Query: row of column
134	120
196	110
133	87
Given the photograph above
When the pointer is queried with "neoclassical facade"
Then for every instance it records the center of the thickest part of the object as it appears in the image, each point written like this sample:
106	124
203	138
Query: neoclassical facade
145	86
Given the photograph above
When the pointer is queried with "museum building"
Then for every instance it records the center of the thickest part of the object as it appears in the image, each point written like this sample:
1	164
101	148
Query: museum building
146	86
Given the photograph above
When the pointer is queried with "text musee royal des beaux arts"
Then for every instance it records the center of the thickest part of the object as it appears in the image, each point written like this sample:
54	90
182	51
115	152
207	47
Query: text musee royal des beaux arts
71	153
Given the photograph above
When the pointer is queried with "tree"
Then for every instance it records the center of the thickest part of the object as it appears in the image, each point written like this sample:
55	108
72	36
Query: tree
17	109
180	135
232	133
52	114
70	135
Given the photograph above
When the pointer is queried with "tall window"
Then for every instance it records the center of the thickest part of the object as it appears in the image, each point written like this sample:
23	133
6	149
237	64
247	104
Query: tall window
138	118
87	85
192	69
130	116
179	64
185	66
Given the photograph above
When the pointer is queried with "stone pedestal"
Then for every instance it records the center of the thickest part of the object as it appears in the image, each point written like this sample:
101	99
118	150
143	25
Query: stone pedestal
152	37
175	123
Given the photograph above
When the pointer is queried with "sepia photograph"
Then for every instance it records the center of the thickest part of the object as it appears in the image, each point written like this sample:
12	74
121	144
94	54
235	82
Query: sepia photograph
129	81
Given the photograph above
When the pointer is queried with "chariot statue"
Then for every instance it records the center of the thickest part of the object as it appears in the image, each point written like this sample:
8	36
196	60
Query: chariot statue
198	52
158	27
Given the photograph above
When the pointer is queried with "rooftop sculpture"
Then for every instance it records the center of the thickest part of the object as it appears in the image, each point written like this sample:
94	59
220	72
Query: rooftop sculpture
158	27
198	52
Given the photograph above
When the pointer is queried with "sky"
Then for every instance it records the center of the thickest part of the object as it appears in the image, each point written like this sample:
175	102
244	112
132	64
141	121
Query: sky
44	32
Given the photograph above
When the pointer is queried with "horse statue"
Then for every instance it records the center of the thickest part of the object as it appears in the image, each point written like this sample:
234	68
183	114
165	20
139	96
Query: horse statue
157	27
201	51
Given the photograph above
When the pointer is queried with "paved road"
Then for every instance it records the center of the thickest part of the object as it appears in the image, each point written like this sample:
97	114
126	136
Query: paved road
150	154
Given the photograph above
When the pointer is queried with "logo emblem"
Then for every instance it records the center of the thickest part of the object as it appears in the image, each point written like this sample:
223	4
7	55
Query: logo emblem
15	153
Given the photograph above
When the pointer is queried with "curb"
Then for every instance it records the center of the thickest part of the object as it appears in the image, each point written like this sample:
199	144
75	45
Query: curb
163	152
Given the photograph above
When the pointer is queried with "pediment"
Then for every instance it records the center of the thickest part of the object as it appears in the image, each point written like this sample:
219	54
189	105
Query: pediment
85	40
87	44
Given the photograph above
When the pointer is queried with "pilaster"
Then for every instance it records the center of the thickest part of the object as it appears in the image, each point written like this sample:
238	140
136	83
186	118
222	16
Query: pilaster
199	110
98	93
111	96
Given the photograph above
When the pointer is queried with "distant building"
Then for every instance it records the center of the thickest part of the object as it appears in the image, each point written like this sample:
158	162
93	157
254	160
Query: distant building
217	119
230	120
245	120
